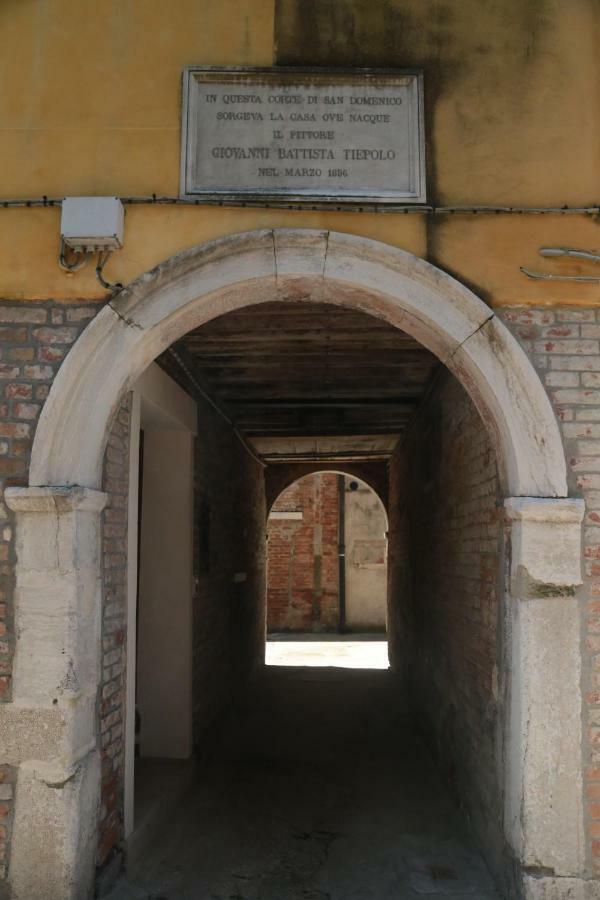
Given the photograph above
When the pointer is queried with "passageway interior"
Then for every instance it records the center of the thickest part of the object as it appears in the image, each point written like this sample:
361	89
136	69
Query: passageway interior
293	781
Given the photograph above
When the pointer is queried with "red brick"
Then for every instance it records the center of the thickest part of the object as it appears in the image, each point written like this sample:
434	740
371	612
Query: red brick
12	467
13	335
22	313
20	354
26	410
18	391
14	429
55	335
42	373
51	354
9	371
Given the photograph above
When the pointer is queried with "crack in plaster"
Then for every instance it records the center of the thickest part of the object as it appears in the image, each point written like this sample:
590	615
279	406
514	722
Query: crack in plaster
60	785
275	258
327	233
469	336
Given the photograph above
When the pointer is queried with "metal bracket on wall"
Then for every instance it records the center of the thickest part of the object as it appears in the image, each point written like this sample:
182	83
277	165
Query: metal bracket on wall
555	252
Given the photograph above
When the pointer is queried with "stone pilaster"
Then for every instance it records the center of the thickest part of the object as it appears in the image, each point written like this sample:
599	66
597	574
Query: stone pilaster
49	730
543	740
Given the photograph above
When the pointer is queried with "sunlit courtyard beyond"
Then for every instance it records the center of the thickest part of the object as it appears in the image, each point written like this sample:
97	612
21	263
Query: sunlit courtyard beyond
354	651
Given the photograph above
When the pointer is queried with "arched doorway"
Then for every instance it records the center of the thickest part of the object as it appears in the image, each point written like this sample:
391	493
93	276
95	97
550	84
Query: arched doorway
58	519
327	578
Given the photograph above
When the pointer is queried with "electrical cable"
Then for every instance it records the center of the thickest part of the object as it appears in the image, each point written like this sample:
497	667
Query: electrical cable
113	287
74	266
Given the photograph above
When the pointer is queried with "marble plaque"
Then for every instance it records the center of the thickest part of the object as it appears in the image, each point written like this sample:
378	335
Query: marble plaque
269	136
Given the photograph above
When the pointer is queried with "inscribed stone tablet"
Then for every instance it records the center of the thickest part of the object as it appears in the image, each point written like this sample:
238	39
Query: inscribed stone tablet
268	136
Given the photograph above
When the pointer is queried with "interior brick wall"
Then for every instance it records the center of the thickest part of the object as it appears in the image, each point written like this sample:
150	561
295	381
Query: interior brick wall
302	570
111	711
230	569
8	775
444	502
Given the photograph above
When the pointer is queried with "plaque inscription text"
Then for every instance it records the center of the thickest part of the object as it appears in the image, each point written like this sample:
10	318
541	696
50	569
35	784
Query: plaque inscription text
263	135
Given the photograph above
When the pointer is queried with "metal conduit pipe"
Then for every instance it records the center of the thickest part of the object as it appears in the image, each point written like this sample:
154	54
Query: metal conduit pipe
341	553
460	209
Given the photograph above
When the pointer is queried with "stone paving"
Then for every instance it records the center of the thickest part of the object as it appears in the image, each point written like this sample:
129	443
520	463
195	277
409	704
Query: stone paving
366	819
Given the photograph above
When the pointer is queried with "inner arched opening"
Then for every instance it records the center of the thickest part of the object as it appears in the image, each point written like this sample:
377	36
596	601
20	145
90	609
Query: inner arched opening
230	416
327	574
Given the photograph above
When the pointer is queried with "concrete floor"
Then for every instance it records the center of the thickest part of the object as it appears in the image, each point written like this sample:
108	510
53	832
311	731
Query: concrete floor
356	651
324	795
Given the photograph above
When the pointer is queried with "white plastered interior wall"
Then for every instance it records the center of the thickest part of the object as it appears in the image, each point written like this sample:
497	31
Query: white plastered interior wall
168	417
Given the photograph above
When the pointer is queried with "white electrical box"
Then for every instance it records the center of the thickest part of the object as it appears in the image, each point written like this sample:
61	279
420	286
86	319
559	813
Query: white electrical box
92	223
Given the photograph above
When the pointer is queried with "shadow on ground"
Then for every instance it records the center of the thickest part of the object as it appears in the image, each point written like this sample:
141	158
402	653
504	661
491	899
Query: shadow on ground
321	792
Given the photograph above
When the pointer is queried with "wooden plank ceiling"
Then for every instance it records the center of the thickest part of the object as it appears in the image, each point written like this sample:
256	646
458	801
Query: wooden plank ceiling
284	371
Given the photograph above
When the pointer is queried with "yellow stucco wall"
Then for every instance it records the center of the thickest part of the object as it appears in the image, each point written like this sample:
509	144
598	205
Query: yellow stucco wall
90	99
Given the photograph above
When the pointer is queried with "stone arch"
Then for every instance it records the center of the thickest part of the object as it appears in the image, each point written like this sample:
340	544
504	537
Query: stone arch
279	478
245	269
54	741
341	546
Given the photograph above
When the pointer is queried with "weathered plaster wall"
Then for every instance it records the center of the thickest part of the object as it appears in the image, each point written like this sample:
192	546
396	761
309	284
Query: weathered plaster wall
88	108
365	540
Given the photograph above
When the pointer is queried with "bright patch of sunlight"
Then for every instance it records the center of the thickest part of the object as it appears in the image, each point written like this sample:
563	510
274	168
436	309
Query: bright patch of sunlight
344	652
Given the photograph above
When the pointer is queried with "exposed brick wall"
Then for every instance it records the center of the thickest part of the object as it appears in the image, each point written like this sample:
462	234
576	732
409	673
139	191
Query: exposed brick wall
114	621
564	345
230	560
8	776
444	483
34	339
302	569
